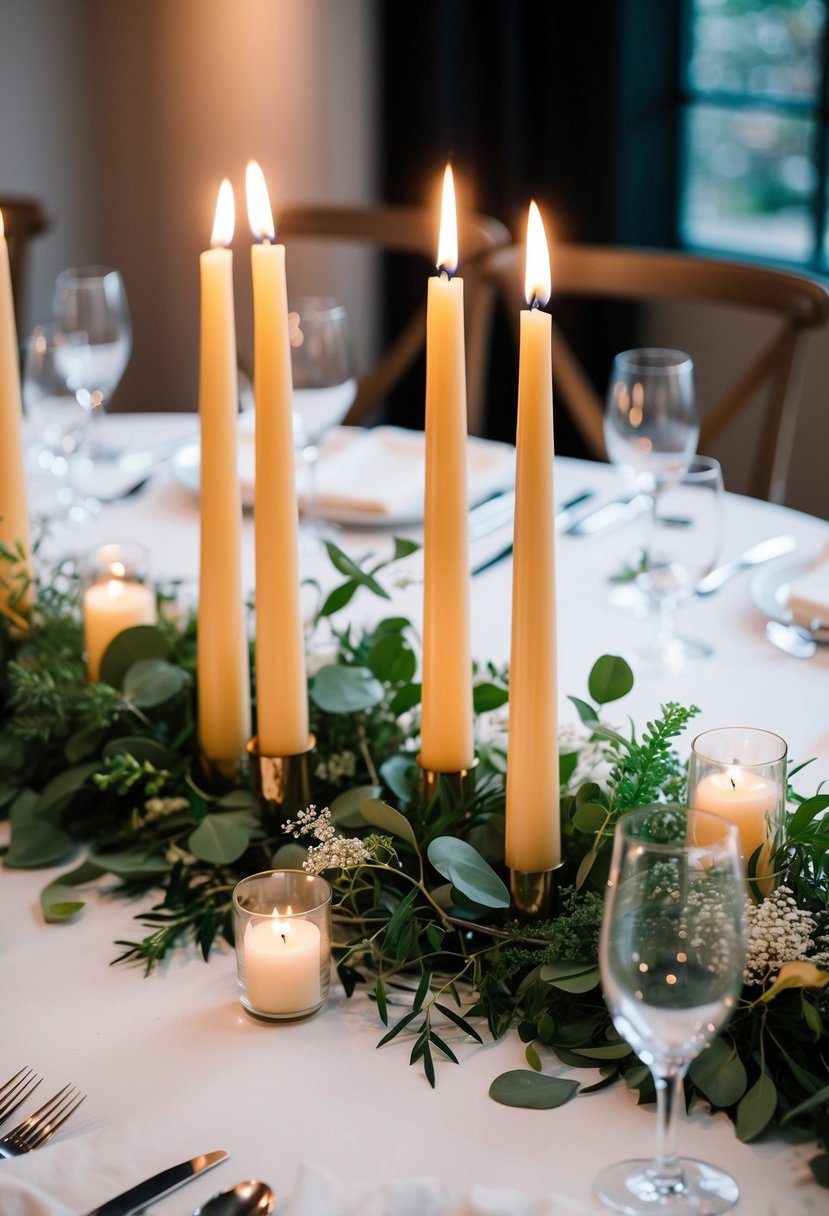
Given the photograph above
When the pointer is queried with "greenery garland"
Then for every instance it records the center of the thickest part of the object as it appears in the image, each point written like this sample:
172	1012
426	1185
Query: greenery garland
109	770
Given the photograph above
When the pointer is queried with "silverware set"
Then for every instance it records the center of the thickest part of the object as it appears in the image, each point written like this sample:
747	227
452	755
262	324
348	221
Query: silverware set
42	1124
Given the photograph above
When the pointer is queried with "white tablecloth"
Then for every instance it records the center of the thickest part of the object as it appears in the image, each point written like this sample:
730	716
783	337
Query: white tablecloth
172	1065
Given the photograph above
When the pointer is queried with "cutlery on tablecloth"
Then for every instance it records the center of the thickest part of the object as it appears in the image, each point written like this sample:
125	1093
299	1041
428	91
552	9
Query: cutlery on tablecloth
137	1197
564	516
42	1125
610	515
799	641
763	551
16	1090
245	1199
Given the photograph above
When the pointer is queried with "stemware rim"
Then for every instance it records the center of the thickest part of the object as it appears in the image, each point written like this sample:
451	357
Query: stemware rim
729	833
653	360
85	272
323	305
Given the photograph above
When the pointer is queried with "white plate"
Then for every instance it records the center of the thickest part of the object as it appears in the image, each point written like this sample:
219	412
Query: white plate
491	468
769	588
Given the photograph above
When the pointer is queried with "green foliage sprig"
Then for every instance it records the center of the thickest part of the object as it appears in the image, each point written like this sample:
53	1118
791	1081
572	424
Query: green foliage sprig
106	776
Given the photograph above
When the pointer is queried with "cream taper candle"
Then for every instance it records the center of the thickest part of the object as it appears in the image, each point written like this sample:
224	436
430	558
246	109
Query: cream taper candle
281	683
14	512
446	729
223	667
533	829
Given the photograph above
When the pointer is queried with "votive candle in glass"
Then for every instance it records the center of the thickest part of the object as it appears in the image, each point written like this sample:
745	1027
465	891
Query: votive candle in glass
739	773
116	596
282	924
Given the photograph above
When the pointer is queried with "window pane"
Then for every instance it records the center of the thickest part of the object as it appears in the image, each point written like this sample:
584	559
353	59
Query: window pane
749	180
747	46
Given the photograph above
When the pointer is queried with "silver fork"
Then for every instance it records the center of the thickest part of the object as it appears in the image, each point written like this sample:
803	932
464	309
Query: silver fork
16	1090
42	1125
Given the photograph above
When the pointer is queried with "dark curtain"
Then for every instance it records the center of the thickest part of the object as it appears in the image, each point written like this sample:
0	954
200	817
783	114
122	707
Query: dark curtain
528	99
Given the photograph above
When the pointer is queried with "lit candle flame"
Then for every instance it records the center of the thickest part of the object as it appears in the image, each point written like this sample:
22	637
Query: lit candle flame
537	276
115	588
448	238
260	216
225	218
118	569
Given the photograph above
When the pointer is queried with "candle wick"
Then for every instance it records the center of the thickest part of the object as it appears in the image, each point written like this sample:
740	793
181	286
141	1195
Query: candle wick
733	783
535	302
284	939
444	273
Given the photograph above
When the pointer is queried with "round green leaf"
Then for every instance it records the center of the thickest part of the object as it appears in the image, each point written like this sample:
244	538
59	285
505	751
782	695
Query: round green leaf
138	642
63	786
219	839
464	867
345	809
392	659
152	682
59	902
488	696
610	679
36	843
531	1090
140	748
346	690
82	744
402	775
380	815
590	818
719	1074
571	976
290	856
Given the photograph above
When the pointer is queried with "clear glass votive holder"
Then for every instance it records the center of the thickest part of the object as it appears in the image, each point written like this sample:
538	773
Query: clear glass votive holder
739	773
116	596
282	928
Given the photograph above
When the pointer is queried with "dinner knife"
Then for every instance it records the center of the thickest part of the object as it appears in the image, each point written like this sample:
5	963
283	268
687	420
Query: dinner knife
564	516
763	551
137	1197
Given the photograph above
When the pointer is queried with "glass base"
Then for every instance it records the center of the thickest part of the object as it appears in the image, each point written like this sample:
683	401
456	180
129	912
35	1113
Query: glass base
262	1016
314	531
634	1187
669	652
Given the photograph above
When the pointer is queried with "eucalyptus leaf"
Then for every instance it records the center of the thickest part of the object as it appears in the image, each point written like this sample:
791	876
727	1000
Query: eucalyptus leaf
590	818
530	1090
152	682
488	696
719	1073
405	699
143	861
140	748
35	840
128	647
392	659
609	679
60	902
64	786
12	752
346	690
570	977
219	839
345	808
290	856
402	775
756	1109
83	743
464	867
380	815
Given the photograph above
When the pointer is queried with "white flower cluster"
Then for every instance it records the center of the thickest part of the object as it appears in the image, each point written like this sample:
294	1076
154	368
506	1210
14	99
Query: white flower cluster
338	764
333	852
779	932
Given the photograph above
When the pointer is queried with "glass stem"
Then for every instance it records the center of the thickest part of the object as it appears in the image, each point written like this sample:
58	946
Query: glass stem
668	1095
310	454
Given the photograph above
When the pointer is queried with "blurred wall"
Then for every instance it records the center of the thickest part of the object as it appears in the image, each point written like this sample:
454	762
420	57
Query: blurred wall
124	115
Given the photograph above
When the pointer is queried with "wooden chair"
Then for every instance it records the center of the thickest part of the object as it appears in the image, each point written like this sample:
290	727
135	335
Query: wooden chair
797	303
23	219
409	230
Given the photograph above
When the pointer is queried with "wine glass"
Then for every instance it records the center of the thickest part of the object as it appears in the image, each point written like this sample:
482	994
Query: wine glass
671	955
56	424
681	543
91	302
324	381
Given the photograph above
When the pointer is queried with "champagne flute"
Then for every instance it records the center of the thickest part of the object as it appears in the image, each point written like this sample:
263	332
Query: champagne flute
682	541
324	382
91	302
671	955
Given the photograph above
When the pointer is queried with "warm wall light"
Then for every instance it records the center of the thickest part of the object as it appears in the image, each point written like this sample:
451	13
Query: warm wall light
225	218
448	238
537	274
260	216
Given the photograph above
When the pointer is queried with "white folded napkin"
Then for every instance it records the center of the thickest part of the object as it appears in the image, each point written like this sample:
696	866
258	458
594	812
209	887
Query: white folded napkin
808	598
378	473
318	1193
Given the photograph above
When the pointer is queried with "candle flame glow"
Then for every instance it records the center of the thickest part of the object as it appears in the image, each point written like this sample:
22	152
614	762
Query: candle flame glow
537	275
260	216
448	238
115	588
225	218
118	569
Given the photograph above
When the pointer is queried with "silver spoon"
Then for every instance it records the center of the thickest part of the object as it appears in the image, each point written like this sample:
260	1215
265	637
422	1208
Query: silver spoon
244	1199
794	640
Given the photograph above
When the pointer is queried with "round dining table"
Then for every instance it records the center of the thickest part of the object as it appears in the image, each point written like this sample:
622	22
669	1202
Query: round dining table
174	1067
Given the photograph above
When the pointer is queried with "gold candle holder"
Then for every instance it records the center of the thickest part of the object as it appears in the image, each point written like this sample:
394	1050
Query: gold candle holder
282	784
222	774
461	782
536	895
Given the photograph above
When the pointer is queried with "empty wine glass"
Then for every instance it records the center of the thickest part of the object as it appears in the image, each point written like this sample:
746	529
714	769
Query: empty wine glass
671	955
325	385
91	302
681	543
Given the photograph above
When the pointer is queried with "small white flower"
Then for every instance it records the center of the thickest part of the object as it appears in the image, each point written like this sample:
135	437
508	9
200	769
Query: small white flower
778	932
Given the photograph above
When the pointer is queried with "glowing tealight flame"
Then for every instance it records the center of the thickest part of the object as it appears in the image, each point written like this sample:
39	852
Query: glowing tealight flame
118	569
225	219
448	238
115	588
260	216
537	274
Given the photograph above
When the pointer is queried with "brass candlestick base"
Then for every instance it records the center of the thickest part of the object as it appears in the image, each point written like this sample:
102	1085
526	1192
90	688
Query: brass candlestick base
460	782
220	775
536	896
282	784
